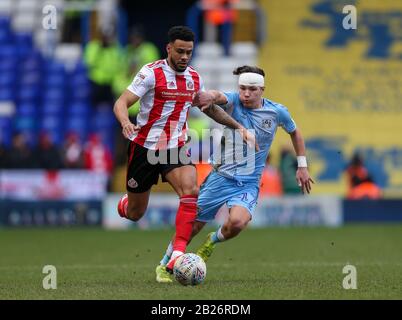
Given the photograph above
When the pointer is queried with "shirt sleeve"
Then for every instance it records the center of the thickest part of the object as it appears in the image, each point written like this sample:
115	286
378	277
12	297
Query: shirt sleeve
285	120
231	97
143	82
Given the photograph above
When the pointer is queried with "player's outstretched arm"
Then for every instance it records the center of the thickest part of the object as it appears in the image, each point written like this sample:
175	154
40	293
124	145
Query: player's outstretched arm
209	101
302	175
120	109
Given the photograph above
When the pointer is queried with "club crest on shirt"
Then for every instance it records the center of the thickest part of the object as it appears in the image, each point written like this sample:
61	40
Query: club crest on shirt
189	85
267	123
132	183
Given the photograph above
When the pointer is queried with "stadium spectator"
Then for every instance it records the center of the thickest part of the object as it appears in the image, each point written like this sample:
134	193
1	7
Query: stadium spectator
139	52
270	184
364	189
104	59
97	157
355	172
46	154
19	156
72	153
287	169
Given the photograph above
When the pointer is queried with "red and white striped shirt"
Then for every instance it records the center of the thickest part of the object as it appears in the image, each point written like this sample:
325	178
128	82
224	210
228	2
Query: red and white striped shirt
166	96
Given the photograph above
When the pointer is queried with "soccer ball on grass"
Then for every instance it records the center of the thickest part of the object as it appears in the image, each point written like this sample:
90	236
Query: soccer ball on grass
189	269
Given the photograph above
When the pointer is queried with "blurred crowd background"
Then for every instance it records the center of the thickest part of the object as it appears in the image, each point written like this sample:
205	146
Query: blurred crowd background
60	75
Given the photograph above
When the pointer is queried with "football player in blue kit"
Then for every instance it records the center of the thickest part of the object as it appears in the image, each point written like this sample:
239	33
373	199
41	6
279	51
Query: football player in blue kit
235	178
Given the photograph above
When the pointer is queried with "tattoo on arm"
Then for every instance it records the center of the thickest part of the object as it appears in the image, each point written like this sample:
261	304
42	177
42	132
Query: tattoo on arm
216	113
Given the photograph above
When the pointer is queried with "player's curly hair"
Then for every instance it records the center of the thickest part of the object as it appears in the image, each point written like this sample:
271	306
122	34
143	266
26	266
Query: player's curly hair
253	69
180	33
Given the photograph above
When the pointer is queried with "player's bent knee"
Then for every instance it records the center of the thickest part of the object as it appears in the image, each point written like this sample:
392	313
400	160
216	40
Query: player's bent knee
190	190
238	225
135	214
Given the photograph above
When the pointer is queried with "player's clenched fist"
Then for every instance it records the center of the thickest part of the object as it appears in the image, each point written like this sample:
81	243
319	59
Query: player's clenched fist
202	100
129	129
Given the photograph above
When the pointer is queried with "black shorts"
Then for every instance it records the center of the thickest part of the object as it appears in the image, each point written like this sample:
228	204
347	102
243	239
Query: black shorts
145	165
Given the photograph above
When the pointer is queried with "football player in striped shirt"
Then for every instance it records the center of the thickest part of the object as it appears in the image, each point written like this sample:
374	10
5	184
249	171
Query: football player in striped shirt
165	89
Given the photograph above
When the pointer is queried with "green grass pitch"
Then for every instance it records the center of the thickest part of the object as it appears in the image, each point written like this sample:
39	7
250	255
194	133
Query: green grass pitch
270	263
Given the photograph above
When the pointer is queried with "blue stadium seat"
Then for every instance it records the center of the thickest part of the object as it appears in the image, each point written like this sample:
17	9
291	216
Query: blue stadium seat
52	108
31	78
8	50
28	94
53	67
79	109
25	123
32	62
8	63
80	69
7	94
81	95
78	125
27	110
7	79
54	95
5	32
23	39
5	130
100	123
55	80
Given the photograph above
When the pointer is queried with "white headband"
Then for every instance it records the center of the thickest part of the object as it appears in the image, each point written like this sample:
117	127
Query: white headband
251	79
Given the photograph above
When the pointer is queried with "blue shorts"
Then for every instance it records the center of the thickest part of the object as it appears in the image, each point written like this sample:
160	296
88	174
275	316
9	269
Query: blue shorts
218	190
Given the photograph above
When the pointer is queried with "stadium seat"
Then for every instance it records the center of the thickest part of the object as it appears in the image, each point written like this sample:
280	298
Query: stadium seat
31	62
54	67
209	50
23	39
28	94
5	130
25	21
6	7
52	108
27	109
81	95
8	64
54	94
79	109
5	35
7	94
69	54
55	81
244	49
7	79
24	123
30	78
78	125
7	51
51	122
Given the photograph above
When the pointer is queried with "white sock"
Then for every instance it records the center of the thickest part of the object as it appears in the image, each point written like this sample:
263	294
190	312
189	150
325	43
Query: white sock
219	235
175	254
167	255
